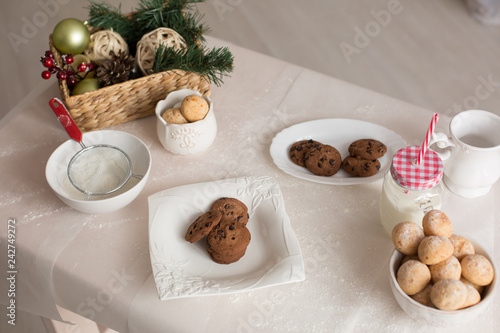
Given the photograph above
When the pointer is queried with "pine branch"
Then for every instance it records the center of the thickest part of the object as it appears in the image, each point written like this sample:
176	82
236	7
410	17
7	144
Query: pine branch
213	64
150	15
146	5
153	14
104	16
192	29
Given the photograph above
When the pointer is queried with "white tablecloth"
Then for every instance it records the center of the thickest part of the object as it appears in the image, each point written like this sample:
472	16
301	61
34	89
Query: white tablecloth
99	267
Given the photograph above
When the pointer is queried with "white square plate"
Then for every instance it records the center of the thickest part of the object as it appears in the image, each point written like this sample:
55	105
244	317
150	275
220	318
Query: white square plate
182	269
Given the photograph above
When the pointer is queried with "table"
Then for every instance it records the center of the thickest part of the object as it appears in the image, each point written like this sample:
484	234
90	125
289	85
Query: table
98	266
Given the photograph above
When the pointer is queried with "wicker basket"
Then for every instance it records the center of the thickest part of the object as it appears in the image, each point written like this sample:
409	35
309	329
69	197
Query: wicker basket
126	101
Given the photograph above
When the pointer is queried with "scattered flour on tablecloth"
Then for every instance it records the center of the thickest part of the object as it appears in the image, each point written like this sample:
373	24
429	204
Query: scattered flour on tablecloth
110	224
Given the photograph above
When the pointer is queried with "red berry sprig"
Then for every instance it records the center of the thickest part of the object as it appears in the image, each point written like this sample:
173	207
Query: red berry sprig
47	62
46	75
65	72
82	67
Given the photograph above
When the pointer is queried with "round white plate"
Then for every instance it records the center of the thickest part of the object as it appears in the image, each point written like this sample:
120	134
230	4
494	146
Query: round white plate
339	133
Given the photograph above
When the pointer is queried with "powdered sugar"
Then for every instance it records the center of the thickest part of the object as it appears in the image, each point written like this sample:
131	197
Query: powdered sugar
99	169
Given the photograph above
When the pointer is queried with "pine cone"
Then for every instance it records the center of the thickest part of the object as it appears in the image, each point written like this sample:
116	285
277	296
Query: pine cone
115	70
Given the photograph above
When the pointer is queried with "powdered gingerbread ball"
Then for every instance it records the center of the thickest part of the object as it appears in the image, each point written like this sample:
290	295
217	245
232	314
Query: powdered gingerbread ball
194	108
424	296
475	286
462	246
406	258
174	116
436	223
406	236
413	276
447	269
477	269
434	249
473	296
449	295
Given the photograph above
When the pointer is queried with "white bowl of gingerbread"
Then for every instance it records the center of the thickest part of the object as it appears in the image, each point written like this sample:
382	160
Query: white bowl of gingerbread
186	122
437	276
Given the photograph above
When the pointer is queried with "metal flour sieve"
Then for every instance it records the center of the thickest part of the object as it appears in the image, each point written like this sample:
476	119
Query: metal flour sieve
94	170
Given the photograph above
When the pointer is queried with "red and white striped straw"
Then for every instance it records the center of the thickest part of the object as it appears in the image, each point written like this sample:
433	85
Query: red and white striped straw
425	144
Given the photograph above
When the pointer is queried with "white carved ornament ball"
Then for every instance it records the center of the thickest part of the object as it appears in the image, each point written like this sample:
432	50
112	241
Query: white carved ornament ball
102	43
147	46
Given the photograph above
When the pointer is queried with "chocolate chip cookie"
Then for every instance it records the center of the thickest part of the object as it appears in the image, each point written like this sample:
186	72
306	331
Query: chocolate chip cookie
231	209
360	167
227	242
299	148
203	225
242	219
323	160
225	228
369	149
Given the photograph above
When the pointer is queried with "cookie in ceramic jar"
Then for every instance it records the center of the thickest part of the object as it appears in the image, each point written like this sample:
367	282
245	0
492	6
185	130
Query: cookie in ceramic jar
360	167
323	160
369	149
194	108
297	151
174	116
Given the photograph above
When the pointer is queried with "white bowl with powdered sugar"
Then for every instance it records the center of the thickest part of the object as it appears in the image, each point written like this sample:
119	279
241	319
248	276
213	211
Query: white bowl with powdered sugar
56	172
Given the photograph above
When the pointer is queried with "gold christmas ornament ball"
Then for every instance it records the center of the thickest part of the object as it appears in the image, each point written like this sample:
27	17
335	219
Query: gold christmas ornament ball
79	59
71	36
85	85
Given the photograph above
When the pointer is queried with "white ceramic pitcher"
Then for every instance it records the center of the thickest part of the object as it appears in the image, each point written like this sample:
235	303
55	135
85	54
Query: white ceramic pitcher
471	153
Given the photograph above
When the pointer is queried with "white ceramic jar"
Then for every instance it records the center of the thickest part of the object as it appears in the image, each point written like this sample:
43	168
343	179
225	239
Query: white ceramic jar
410	190
185	139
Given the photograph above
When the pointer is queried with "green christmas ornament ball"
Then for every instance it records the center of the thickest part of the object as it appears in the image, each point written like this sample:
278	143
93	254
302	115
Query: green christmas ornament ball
85	85
71	36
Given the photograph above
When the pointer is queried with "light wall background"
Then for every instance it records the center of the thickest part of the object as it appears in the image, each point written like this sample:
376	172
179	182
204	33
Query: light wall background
430	53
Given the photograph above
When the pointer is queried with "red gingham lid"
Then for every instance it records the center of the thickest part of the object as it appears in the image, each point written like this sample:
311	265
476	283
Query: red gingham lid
407	173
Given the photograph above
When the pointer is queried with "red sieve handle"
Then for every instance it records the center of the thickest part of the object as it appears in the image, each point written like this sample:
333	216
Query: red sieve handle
65	119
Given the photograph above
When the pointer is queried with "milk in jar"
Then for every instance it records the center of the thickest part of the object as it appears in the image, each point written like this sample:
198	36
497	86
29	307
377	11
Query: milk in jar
410	190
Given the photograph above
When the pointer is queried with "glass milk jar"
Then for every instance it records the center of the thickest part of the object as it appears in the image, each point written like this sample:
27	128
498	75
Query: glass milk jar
410	190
